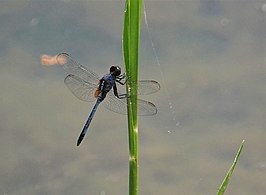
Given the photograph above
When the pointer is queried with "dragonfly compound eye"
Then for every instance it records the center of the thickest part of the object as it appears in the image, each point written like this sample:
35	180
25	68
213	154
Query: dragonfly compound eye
115	70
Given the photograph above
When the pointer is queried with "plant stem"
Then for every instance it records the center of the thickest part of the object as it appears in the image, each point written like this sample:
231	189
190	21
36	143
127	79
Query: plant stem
131	37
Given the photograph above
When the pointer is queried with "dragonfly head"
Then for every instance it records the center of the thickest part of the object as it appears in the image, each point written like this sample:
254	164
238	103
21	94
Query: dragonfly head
115	70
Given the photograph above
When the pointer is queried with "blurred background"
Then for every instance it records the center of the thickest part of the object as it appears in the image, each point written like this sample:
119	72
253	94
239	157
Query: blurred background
212	73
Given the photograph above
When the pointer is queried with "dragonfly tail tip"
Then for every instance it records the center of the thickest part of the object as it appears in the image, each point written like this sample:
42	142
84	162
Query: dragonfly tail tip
78	142
80	139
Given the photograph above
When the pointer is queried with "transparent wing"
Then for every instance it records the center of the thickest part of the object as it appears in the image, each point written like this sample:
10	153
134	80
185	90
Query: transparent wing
146	87
120	105
74	68
146	108
80	88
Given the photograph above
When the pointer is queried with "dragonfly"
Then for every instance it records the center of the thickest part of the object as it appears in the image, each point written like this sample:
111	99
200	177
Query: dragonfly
87	86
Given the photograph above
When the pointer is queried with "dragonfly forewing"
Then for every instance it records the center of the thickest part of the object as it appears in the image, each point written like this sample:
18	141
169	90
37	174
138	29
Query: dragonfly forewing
73	67
146	87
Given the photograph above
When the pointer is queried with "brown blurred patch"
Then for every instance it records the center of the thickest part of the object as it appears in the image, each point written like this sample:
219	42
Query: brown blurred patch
47	60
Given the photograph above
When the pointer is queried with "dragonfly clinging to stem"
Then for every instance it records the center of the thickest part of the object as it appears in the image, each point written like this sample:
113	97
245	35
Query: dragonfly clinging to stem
87	86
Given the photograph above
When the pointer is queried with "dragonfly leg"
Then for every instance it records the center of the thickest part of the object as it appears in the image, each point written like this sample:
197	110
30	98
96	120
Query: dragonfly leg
122	96
121	77
120	82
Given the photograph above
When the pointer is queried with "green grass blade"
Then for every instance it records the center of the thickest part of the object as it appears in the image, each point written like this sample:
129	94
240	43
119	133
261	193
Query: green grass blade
131	37
225	182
